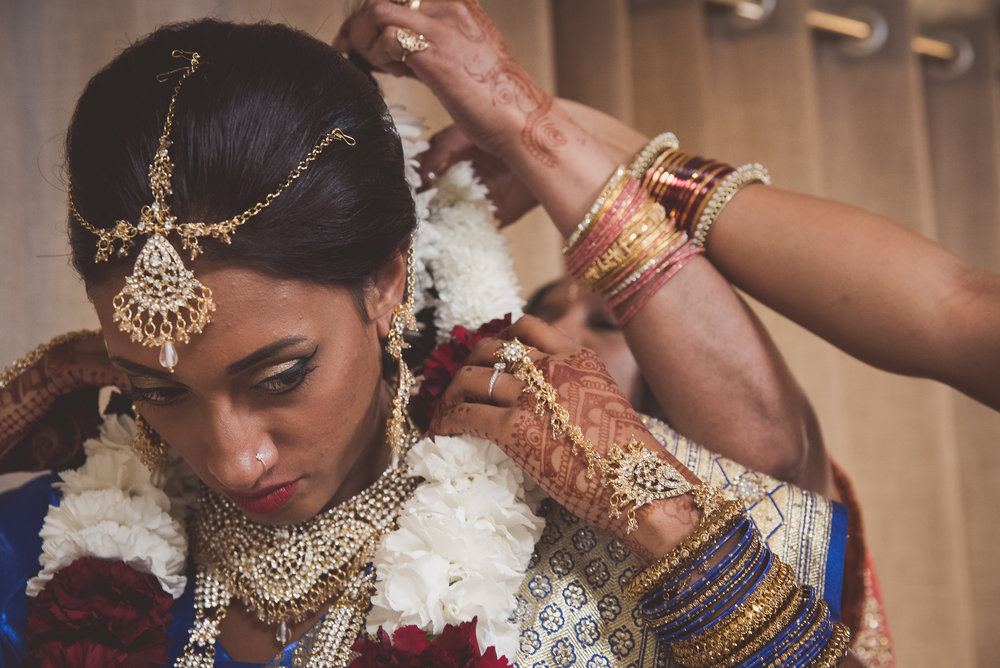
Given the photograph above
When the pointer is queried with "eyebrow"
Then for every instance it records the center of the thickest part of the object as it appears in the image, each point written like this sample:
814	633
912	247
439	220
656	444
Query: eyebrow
236	367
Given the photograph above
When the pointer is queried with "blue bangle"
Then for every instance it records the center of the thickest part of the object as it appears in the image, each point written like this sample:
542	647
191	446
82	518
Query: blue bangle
659	604
705	621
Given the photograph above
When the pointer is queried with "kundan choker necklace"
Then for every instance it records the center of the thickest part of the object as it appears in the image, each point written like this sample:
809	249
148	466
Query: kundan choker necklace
284	573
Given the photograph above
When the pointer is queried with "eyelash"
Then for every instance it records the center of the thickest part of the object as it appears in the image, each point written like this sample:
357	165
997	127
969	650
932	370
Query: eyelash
284	382
289	380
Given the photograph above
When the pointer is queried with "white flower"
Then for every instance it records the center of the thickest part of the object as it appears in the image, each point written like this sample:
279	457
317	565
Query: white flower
112	508
109	524
471	267
462	546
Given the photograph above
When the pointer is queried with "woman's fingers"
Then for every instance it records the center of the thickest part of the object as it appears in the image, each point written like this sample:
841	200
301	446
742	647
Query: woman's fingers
386	34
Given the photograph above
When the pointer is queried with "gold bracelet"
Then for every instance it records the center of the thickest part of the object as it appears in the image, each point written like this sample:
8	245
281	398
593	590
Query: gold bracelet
836	647
771	631
666	141
715	523
715	644
724	192
721	584
638	237
819	617
609	193
634	473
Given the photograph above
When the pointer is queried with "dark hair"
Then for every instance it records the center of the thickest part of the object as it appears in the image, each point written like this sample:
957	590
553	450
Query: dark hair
258	103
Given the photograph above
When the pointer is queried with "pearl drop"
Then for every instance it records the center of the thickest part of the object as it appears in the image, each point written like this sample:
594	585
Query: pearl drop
168	356
283	635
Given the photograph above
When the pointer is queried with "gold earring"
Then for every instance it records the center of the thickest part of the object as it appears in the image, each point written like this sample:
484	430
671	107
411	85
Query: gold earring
403	319
148	445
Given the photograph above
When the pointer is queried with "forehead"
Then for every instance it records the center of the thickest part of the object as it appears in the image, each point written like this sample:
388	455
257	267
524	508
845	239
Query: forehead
252	309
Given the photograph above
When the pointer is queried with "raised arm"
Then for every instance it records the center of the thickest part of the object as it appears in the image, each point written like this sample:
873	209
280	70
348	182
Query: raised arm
880	292
713	369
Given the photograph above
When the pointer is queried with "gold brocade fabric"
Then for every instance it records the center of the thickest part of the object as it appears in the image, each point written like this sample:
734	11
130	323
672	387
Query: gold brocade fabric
570	607
795	523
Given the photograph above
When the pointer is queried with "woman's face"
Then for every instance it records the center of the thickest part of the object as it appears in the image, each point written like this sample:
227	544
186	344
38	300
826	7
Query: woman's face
287	370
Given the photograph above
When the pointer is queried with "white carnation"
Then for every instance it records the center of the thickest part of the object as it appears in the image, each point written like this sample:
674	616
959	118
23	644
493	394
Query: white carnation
462	546
109	524
113	508
472	269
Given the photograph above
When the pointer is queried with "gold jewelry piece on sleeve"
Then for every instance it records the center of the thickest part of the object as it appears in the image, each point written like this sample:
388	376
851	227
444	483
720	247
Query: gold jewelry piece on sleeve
17	367
162	302
633	473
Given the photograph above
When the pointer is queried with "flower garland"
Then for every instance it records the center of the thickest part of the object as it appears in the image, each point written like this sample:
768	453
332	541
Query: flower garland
464	540
463	543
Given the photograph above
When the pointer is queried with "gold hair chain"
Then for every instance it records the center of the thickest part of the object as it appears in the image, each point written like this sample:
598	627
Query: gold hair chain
162	302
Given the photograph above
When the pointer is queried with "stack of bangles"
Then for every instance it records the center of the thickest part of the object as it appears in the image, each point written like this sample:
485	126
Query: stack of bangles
650	219
722	598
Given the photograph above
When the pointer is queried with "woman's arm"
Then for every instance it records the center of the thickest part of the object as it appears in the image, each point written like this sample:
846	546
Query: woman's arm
885	295
713	369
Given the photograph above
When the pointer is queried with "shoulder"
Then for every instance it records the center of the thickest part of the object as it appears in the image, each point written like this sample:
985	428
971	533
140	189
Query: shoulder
22	511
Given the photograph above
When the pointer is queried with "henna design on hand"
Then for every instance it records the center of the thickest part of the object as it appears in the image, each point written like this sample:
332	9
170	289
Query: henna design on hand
509	85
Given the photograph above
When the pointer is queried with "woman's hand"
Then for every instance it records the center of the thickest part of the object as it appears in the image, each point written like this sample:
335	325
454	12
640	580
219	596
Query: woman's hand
511	197
593	401
466	65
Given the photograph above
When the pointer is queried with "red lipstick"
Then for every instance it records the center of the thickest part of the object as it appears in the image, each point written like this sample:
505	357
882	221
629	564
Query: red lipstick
267	500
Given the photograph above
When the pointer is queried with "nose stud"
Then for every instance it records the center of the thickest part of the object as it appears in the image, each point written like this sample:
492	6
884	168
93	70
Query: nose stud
260	458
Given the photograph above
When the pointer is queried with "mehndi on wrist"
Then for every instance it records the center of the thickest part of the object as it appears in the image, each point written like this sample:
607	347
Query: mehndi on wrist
635	475
721	597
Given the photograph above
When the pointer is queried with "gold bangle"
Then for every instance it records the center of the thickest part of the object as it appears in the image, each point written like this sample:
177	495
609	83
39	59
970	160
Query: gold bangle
666	141
715	523
820	615
770	632
836	647
724	192
647	222
715	644
609	193
722	583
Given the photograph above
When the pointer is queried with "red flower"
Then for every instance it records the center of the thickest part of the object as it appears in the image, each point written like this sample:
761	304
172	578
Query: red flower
444	362
99	613
410	647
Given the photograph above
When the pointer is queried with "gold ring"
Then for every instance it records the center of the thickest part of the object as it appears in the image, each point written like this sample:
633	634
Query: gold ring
498	369
411	42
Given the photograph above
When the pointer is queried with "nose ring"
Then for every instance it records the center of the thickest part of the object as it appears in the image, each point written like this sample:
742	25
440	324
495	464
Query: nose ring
260	458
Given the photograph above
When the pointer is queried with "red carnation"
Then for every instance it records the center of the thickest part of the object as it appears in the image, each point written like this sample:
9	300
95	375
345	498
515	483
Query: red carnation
444	362
100	613
410	647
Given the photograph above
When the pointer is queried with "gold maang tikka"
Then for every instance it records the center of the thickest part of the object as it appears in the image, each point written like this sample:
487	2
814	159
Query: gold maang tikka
162	302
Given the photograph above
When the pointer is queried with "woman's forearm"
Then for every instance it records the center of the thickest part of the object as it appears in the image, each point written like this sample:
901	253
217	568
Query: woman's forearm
880	292
709	362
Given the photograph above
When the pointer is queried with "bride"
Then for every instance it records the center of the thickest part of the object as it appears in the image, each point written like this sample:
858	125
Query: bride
241	217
